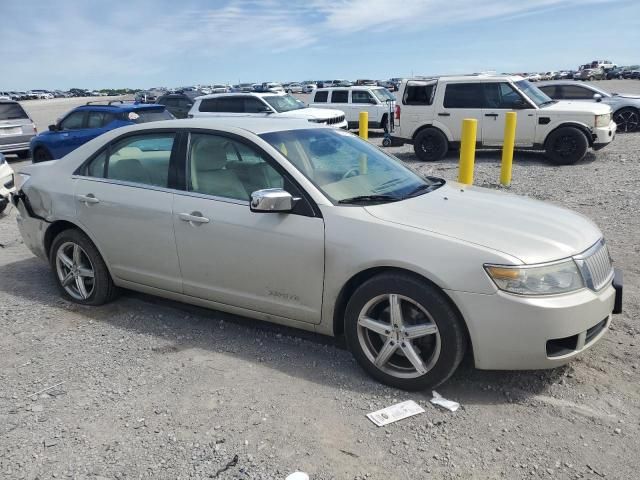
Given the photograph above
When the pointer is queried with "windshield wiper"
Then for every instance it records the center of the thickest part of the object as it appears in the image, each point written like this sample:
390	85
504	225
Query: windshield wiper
370	199
425	188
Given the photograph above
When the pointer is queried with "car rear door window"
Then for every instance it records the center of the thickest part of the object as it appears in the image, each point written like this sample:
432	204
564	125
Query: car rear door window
142	159
12	111
553	91
222	167
575	92
73	121
223	104
361	96
340	96
149	115
321	97
464	95
99	119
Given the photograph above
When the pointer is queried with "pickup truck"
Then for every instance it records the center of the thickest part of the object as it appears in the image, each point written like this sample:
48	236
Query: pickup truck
429	114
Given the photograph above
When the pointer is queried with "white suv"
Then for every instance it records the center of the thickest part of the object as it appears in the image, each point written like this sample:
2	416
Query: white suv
353	100
262	105
430	114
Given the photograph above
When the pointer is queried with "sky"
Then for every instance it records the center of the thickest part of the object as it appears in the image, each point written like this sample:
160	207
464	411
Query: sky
149	43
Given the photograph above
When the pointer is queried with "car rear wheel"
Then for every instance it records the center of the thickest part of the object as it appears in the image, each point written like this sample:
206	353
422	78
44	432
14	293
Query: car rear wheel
404	332
566	146
430	145
627	119
41	154
80	271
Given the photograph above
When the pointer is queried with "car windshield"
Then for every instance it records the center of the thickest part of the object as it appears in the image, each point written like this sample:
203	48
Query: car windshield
11	111
346	169
284	103
383	94
536	95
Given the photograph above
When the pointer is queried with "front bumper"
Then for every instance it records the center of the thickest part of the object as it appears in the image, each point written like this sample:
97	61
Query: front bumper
510	332
7	186
603	136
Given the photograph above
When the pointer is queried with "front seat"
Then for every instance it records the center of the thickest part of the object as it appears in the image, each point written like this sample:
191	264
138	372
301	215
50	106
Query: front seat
208	172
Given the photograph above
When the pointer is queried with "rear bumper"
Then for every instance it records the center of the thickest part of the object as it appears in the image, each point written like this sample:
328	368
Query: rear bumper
14	147
510	332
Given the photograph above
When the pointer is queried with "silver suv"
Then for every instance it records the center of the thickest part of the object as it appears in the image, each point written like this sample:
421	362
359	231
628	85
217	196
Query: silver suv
16	129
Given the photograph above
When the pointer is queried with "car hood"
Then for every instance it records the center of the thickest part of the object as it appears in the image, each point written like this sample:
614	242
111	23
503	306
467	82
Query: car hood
567	106
528	229
313	113
626	95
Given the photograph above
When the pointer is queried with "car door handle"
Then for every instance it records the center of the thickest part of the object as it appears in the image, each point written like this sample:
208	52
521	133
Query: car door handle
89	198
193	217
494	115
444	114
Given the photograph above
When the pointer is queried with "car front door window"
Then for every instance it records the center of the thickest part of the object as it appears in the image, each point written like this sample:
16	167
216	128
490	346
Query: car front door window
223	167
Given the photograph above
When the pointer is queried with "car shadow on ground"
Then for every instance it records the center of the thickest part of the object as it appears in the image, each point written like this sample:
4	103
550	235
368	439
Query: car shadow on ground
323	360
494	157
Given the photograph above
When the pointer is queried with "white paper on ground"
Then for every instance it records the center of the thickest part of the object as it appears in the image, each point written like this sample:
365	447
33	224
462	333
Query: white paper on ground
297	476
443	402
395	412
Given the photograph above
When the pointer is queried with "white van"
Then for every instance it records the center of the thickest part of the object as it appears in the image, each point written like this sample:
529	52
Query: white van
353	100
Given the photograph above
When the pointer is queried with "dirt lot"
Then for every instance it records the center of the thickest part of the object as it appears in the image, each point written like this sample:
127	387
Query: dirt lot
146	388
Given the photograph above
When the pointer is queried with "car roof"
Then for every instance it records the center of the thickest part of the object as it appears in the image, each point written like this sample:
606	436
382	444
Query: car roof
471	78
354	87
564	82
256	125
121	107
241	94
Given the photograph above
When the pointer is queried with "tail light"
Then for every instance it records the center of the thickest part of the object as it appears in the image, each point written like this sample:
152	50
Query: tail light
397	112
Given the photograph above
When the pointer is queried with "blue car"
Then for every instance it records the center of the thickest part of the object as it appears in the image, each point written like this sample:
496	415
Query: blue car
88	121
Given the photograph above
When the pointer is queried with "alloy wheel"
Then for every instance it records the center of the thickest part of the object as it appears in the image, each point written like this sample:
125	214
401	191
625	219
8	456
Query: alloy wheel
399	336
75	271
627	120
566	145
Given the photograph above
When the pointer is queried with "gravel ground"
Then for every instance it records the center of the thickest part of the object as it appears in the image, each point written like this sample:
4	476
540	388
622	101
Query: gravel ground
147	388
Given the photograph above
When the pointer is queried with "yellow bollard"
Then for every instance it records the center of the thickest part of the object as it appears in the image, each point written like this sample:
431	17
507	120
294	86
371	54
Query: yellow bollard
363	128
507	148
467	150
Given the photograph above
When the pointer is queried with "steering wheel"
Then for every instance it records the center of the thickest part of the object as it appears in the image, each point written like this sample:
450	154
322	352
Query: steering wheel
351	173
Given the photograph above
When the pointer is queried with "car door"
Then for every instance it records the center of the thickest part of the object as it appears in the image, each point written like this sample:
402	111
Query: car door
124	202
363	101
69	134
500	98
271	263
461	100
339	99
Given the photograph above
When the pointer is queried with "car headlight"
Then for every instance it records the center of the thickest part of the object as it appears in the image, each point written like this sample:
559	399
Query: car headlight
550	279
603	120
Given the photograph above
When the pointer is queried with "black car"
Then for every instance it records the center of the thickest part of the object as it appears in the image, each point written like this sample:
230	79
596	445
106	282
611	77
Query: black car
179	103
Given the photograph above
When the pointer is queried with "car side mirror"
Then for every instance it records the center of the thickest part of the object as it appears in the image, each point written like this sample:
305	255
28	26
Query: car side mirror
53	128
597	97
271	200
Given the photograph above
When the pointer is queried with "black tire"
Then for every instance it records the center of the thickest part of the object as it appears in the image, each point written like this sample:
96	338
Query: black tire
430	145
451	332
566	146
41	154
103	289
23	154
3	205
627	119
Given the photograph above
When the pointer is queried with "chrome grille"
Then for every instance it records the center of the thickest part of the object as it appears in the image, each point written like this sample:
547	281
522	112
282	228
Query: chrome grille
595	266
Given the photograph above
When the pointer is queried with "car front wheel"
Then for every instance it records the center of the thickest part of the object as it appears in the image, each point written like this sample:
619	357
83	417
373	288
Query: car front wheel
80	271
41	155
627	119
566	146
404	332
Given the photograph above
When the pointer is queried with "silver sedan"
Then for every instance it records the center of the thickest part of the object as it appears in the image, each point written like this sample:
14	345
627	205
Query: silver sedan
625	107
312	227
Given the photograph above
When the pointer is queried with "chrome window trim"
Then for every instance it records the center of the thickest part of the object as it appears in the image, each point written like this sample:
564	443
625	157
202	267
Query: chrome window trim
124	183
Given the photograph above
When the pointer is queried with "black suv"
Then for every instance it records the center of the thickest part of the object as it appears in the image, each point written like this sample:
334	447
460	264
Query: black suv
179	103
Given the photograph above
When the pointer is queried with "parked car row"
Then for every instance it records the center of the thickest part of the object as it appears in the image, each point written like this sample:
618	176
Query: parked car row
49	94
